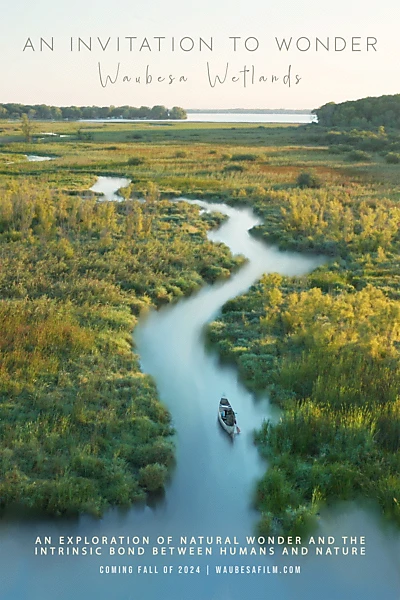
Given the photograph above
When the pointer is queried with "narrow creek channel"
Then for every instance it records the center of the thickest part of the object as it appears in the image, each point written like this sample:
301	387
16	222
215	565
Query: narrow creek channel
212	485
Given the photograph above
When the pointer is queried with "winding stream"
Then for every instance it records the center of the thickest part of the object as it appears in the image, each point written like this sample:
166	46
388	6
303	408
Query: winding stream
210	490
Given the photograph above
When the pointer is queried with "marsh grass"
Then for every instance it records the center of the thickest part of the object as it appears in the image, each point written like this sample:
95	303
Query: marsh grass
81	426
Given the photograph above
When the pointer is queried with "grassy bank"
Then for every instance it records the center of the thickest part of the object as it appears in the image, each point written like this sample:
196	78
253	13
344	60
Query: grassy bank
81	426
327	348
331	361
326	345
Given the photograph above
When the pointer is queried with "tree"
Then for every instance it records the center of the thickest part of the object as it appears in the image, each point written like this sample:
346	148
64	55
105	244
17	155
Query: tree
158	112
374	112
177	112
27	127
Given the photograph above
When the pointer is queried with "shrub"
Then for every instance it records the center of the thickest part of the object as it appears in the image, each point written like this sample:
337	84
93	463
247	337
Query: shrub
274	492
239	157
234	168
180	154
358	156
153	477
135	161
392	158
308	180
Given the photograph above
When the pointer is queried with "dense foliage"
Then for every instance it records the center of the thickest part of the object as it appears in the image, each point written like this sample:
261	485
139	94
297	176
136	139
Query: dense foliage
327	348
332	362
73	113
81	426
330	220
367	112
325	345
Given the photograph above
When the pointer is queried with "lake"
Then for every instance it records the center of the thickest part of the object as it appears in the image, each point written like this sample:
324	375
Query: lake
222	117
251	118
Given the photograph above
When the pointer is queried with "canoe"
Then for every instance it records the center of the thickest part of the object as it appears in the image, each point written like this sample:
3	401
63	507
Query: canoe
226	416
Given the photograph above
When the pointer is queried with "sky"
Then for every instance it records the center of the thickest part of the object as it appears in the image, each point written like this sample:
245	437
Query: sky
254	75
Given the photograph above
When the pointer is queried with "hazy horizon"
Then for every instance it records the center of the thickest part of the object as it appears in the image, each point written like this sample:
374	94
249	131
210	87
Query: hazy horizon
187	109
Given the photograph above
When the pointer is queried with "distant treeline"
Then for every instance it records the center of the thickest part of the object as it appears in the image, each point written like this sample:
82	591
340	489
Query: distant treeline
73	113
367	112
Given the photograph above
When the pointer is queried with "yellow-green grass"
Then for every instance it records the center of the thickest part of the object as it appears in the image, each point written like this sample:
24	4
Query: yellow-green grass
61	251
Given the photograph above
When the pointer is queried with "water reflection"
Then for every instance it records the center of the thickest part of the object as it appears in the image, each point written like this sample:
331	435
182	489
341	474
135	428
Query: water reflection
210	492
36	158
109	186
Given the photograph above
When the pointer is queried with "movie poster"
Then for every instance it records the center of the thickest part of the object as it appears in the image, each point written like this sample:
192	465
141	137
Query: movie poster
254	457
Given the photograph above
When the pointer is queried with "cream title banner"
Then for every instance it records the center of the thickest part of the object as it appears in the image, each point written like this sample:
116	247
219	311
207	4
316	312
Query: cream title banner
215	74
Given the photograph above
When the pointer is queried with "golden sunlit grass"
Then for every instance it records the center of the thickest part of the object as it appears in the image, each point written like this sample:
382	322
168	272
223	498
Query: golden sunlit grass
81	426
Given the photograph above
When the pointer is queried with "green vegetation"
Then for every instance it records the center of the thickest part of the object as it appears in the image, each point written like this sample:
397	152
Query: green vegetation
81	426
81	422
308	180
358	156
326	346
42	112
392	158
383	111
331	361
26	127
